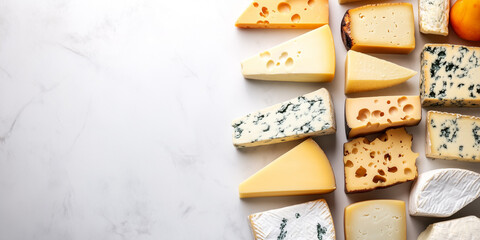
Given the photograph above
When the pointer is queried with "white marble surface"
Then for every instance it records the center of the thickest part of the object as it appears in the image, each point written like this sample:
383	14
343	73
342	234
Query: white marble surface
114	120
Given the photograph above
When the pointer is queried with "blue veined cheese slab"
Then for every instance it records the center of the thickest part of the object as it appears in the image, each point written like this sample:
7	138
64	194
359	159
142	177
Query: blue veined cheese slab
309	115
450	76
453	136
433	16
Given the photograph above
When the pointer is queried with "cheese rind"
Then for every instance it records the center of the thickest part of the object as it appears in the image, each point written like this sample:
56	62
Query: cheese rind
284	14
386	161
443	192
374	114
303	170
366	73
379	28
460	228
449	75
306	58
376	220
433	16
453	136
308	115
310	220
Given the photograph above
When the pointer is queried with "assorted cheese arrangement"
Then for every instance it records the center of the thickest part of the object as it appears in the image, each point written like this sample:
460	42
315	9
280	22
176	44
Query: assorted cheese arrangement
449	77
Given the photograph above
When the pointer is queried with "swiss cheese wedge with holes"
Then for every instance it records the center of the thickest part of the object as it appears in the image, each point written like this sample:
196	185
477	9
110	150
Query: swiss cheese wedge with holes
374	114
379	28
284	14
386	161
307	58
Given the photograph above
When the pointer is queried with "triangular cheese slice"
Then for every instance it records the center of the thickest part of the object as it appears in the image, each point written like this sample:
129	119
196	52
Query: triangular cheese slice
306	58
365	73
284	14
303	170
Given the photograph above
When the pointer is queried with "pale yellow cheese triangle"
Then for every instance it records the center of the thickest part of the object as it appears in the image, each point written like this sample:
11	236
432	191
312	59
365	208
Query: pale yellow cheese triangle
284	14
365	73
303	170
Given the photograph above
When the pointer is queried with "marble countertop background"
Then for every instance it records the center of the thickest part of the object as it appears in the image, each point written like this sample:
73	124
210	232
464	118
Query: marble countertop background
114	120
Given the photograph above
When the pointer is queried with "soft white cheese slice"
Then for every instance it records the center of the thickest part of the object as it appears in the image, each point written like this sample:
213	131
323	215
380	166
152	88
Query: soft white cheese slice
466	228
443	192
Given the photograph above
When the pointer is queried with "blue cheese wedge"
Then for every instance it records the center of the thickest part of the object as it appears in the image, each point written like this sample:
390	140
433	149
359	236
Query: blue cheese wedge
460	228
433	16
449	76
453	136
311	220
308	115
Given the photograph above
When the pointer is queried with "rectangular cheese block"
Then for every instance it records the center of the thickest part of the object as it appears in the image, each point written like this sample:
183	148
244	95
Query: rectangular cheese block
450	75
453	136
284	14
374	114
307	58
311	220
308	115
303	170
433	16
376	220
379	28
386	161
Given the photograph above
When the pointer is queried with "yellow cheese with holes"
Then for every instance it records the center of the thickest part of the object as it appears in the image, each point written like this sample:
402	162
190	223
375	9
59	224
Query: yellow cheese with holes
376	220
285	14
379	28
386	161
365	73
306	58
369	115
303	170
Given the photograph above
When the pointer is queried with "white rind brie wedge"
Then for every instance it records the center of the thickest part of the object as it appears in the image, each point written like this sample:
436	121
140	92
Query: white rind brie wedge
443	192
466	228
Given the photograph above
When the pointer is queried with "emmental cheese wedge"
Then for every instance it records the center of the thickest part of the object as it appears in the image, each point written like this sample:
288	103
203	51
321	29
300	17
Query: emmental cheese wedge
366	73
304	116
379	28
306	58
284	14
303	170
453	136
443	192
386	161
449	75
376	220
455	229
433	16
310	220
369	115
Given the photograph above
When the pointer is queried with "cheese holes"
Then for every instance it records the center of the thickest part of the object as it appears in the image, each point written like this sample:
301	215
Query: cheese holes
381	172
311	2
289	62
270	65
407	171
355	151
363	114
392	169
378	114
284	7
379	178
387	157
408	108
296	18
283	56
264	12
401	101
372	154
361	172
393	110
349	164
255	4
265	55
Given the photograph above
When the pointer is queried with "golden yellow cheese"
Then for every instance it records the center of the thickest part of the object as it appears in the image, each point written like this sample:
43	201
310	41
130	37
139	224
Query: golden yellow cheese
284	14
369	115
303	170
376	220
386	161
365	73
379	28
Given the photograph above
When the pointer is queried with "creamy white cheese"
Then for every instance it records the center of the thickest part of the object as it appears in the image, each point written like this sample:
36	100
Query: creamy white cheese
466	228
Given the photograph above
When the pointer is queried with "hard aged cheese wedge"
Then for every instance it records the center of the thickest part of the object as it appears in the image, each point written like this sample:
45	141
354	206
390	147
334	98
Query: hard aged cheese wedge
284	14
449	75
365	73
433	16
311	220
306	58
466	228
443	192
386	161
453	136
374	114
379	28
303	170
301	117
376	220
